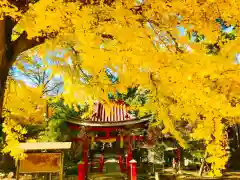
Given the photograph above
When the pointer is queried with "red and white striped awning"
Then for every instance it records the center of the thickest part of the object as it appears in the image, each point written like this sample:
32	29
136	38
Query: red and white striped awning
116	113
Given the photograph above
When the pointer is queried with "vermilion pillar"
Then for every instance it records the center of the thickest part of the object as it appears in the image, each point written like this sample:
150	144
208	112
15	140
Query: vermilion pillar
130	148
85	154
133	170
81	171
121	163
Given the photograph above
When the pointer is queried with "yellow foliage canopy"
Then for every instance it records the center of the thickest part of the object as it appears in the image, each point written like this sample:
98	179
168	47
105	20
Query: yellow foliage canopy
140	42
25	104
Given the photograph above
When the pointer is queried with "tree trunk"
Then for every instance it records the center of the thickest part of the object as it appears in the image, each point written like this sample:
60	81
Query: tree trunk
203	163
237	135
6	54
3	79
6	162
9	51
5	64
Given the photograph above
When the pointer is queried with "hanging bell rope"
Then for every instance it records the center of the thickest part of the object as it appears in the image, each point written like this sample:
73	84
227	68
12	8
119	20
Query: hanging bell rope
121	141
92	142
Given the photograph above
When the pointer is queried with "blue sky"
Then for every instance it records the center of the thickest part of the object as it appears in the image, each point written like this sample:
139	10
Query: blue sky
18	74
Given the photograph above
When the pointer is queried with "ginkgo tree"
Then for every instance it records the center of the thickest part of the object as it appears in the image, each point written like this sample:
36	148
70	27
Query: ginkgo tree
141	42
27	97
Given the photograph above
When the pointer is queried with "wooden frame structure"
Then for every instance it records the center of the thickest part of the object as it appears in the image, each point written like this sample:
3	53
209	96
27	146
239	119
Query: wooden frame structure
38	161
118	119
127	140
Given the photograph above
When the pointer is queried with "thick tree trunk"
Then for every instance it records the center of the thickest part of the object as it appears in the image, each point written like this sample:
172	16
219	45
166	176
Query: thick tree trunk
3	79
5	64
9	51
6	53
6	162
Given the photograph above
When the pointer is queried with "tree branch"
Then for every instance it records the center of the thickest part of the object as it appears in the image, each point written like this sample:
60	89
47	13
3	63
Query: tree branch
47	83
55	87
22	44
22	5
175	43
32	78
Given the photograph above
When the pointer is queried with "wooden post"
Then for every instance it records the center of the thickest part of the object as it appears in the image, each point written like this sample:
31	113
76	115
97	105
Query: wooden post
133	170
156	176
81	171
61	173
50	176
17	170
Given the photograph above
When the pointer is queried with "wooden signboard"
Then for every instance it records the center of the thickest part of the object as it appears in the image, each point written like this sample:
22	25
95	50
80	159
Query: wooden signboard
42	162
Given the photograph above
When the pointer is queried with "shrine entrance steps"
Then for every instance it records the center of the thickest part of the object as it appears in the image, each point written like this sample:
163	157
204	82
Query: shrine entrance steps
107	176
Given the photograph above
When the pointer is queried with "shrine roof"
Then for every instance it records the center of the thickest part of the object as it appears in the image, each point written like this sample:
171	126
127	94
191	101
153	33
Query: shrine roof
118	115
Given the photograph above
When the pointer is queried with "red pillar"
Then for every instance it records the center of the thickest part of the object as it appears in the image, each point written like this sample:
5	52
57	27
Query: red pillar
133	170
85	154
101	163
81	171
129	155
121	163
127	163
128	159
85	160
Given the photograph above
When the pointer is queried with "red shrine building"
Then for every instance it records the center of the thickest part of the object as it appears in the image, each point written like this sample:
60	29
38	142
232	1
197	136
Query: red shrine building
109	135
